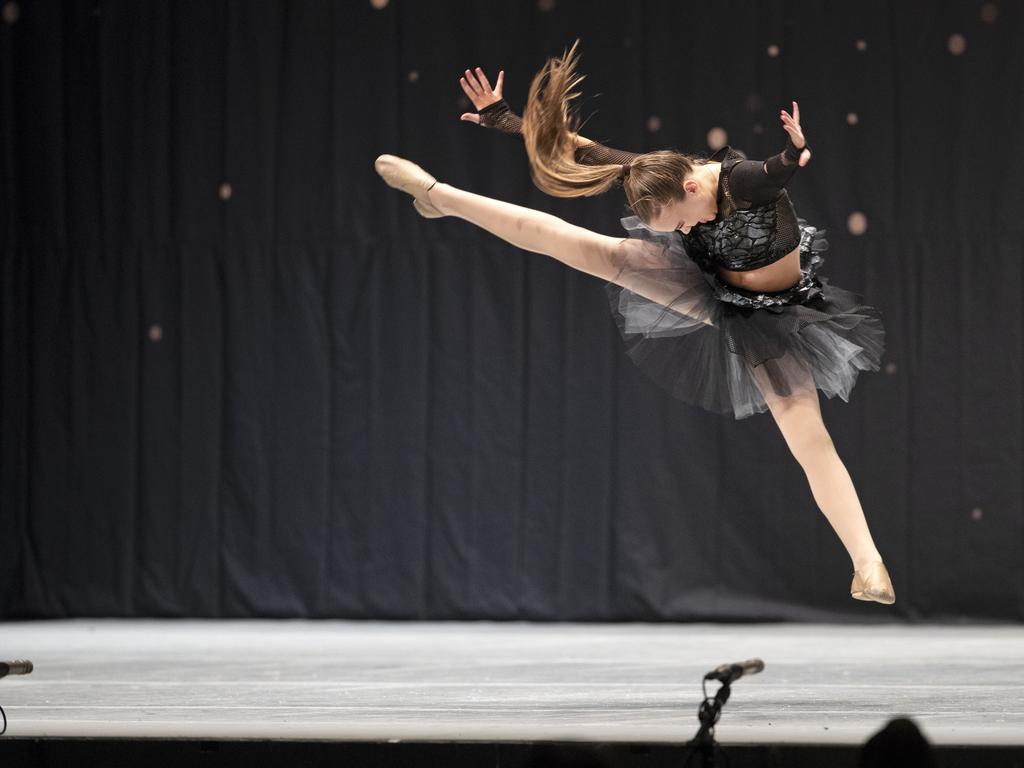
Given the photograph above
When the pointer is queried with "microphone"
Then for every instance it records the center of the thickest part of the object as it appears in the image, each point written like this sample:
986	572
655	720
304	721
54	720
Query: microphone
19	667
727	673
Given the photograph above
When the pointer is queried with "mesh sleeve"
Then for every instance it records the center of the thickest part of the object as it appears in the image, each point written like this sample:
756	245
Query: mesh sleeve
499	116
760	182
599	154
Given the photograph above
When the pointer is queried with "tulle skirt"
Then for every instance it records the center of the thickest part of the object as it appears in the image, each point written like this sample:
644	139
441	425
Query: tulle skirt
725	349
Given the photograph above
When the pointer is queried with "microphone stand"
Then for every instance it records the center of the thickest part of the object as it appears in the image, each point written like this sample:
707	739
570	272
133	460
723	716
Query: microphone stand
708	713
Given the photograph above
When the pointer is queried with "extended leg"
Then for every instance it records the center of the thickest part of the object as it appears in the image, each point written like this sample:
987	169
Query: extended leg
596	254
642	267
799	419
532	230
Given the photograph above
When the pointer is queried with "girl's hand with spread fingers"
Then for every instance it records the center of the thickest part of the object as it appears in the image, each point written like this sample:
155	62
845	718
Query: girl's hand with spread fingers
791	124
478	88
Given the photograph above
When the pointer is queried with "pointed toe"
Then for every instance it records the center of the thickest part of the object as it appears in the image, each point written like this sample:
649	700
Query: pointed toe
872	583
408	177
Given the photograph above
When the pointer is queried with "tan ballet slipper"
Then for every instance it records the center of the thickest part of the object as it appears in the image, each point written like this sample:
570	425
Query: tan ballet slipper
405	175
872	583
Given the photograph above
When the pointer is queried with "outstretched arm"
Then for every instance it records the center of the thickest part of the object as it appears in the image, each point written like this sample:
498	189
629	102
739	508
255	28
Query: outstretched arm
759	181
494	112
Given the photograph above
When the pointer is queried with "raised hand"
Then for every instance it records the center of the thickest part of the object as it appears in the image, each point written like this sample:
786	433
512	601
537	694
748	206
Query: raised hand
791	124
478	89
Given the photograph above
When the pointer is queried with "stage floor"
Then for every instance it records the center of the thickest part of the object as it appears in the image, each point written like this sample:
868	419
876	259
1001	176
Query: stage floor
379	681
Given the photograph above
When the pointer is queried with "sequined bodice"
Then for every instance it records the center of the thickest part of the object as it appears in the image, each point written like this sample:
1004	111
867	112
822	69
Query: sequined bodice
743	237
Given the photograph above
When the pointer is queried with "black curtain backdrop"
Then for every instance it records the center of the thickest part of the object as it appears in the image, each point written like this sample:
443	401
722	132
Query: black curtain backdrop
241	377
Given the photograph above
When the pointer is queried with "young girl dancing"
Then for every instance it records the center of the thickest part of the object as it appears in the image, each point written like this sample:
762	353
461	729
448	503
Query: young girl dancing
715	291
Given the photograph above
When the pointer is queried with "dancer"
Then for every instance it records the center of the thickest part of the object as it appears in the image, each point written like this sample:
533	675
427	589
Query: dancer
715	291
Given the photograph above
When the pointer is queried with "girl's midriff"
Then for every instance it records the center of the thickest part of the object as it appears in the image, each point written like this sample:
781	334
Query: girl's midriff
782	274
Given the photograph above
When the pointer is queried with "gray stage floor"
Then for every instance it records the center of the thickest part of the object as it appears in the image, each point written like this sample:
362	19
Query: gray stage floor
380	681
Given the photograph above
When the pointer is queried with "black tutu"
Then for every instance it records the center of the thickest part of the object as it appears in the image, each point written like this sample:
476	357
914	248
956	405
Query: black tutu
716	346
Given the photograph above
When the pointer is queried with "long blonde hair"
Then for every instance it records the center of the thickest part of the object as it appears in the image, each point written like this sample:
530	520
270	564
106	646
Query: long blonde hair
650	181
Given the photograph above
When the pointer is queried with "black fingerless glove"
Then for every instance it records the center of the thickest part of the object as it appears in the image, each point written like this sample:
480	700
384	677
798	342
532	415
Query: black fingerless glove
498	115
780	167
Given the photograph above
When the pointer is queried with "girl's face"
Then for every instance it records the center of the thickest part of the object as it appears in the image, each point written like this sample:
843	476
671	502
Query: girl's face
697	207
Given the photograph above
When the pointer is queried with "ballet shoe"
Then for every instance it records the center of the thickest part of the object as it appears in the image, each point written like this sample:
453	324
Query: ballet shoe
402	174
872	583
426	210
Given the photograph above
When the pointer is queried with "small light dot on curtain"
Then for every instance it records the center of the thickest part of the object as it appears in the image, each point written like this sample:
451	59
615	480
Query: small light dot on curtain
857	223
11	12
717	138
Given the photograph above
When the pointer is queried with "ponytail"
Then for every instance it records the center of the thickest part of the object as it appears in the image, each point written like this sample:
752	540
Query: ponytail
549	131
650	181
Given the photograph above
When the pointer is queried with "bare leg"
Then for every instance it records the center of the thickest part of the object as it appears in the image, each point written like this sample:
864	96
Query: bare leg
799	419
596	254
531	230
